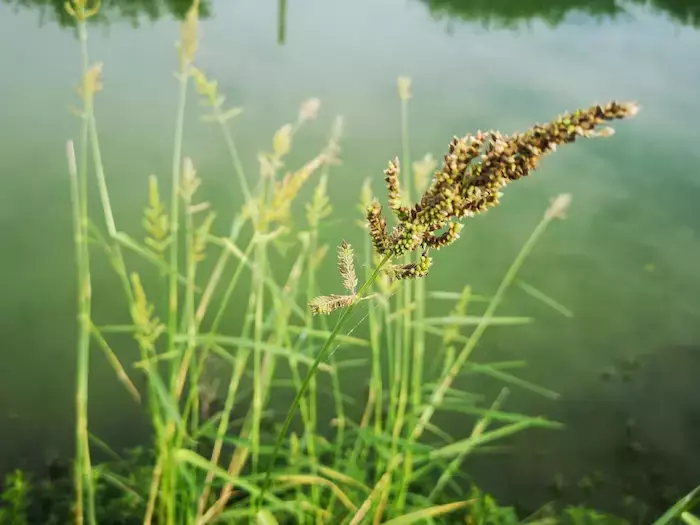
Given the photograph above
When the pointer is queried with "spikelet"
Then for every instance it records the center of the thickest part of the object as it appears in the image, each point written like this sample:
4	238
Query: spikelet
210	97
445	239
394	189
377	227
91	82
411	270
155	219
190	182
148	326
282	141
189	33
558	206
308	110
288	188
319	208
200	237
346	267
326	304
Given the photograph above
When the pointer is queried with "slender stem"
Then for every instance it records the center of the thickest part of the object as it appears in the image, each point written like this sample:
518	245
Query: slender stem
319	357
311	422
83	463
406	318
174	212
260	264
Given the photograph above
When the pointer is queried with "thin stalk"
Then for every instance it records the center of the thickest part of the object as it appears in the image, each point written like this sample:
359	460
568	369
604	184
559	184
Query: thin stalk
260	263
310	426
83	462
344	316
79	200
375	334
174	212
407	321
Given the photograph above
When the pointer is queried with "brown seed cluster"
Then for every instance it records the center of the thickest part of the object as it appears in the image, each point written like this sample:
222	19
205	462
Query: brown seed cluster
474	171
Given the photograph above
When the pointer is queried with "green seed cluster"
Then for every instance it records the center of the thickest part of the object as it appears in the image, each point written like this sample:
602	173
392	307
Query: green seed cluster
474	171
411	270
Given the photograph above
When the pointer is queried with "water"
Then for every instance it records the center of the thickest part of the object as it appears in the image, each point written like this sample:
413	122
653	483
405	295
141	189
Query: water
624	262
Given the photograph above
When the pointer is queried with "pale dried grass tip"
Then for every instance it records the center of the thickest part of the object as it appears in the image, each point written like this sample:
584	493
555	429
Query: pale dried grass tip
558	206
403	84
309	109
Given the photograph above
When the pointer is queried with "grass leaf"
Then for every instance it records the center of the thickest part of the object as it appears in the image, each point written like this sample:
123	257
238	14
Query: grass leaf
679	508
430	512
541	296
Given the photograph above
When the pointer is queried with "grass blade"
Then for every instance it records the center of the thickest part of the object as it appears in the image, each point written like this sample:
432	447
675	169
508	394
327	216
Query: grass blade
679	508
430	512
474	320
541	296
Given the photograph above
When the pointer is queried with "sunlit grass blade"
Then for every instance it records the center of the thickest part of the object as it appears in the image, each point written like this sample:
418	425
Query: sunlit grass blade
431	512
681	506
194	459
512	380
690	519
541	296
116	365
312	333
473	320
456	296
303	479
470	443
265	517
239	342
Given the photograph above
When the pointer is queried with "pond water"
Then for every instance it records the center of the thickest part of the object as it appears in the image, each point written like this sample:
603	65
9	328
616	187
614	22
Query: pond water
625	261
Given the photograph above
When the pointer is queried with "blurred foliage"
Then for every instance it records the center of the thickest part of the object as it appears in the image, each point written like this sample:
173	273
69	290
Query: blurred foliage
511	13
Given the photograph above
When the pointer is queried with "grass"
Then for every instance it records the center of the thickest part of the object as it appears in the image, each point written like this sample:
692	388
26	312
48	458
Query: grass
392	464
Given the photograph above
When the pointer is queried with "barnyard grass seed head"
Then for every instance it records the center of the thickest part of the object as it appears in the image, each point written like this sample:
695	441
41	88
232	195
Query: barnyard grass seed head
474	172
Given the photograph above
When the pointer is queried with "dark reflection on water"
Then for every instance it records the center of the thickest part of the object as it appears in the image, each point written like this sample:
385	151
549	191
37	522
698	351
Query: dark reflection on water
133	11
497	13
510	13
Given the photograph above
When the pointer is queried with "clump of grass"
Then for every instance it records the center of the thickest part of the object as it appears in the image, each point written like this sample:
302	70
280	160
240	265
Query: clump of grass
201	470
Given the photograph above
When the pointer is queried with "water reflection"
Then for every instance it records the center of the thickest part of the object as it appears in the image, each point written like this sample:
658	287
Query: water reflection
281	21
511	13
132	11
493	13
